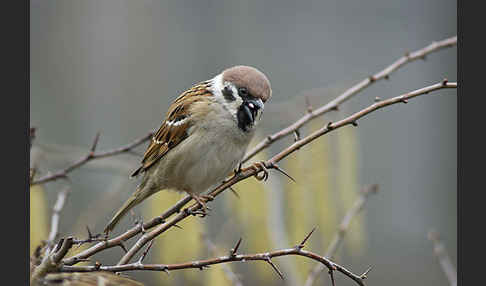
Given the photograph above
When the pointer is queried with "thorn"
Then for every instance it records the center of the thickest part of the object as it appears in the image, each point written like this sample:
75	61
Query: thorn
365	274
307	103
166	270
354	123
95	143
405	101
89	232
329	125
235	249
97	265
145	252
377	99
276	167
179	227
238	170
269	261
123	247
387	77
331	274
444	81
407	54
296	135
302	244
234	192
372	78
335	108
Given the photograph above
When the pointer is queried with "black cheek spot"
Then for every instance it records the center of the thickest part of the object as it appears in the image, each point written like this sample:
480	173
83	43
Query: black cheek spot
228	94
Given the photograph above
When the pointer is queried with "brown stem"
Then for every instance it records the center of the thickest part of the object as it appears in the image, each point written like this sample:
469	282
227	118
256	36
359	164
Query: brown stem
248	172
333	105
201	264
91	156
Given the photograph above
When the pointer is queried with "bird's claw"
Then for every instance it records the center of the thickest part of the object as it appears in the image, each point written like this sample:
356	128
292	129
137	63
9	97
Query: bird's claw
261	169
202	201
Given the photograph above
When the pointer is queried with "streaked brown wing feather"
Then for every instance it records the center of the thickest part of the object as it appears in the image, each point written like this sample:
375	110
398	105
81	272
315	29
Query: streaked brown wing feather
169	136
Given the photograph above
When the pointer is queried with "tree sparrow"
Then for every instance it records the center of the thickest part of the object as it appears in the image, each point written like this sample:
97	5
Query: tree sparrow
204	136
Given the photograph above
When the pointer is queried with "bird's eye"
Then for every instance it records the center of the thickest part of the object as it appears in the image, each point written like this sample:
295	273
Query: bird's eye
243	91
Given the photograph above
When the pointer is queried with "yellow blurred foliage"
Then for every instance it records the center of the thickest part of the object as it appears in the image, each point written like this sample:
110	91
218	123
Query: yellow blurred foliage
348	186
250	212
39	220
309	201
176	245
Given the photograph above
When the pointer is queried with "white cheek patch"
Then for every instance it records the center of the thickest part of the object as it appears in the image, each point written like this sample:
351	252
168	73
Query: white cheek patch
217	87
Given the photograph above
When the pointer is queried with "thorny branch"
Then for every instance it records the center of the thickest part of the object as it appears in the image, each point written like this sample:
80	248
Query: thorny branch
161	222
444	259
226	269
52	260
245	173
232	257
334	105
92	155
343	227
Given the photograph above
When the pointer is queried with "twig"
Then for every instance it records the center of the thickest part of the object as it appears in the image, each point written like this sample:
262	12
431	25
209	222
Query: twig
56	211
226	269
91	156
343	227
52	261
201	264
444	259
333	105
248	172
162	226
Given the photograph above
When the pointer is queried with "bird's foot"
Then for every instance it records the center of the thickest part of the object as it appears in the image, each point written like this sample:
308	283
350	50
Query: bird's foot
257	166
261	169
202	201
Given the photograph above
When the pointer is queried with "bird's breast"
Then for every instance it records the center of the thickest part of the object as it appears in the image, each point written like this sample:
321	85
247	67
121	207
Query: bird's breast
206	157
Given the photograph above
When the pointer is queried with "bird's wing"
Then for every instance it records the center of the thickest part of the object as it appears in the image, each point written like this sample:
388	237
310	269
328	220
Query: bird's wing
174	128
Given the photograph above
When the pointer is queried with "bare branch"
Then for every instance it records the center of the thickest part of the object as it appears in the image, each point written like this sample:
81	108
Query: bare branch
343	227
201	264
91	156
52	260
162	226
444	259
226	269
333	105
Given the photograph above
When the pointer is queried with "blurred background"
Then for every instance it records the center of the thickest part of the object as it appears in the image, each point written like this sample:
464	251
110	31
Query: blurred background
115	66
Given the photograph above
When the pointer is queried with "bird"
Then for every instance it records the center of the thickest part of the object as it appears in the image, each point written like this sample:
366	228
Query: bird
203	138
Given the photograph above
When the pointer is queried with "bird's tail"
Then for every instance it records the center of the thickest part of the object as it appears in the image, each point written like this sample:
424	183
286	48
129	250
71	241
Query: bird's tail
139	195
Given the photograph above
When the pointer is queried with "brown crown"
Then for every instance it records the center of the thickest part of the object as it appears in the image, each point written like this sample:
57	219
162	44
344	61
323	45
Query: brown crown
254	80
